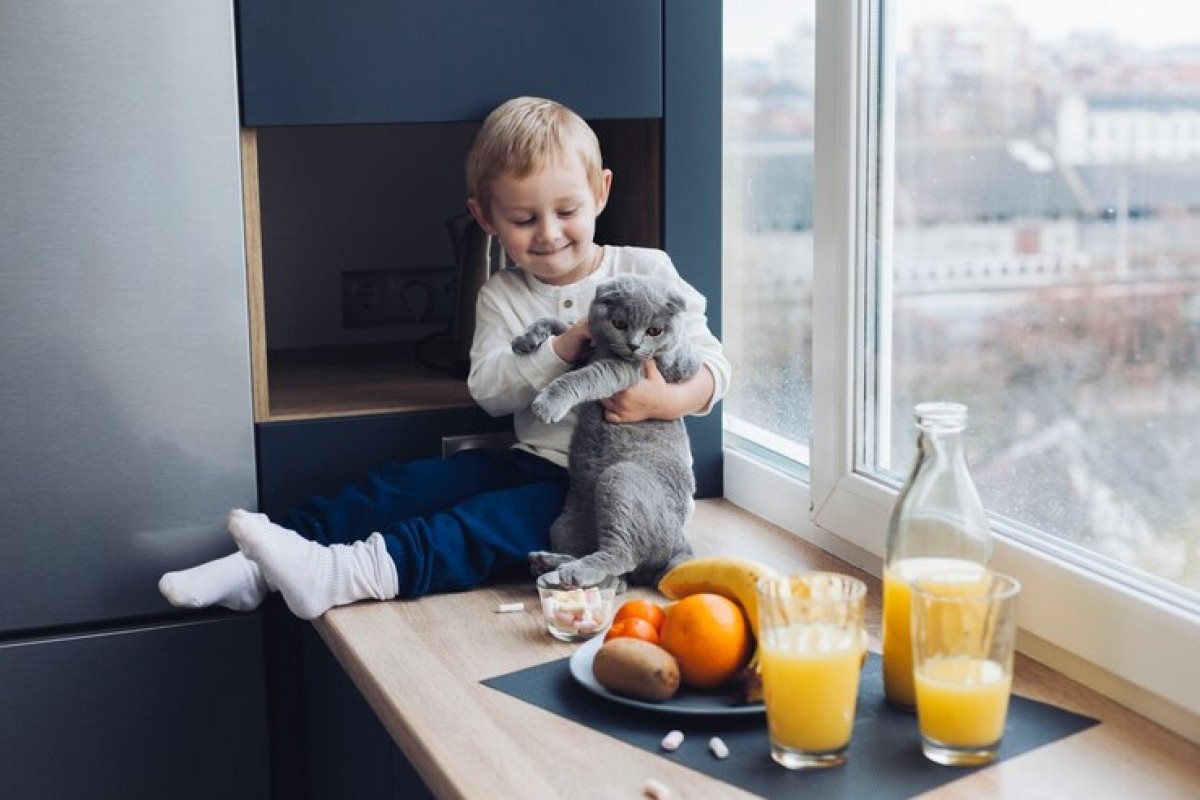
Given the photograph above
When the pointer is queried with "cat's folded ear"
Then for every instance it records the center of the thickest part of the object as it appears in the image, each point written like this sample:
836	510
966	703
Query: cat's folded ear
610	290
676	302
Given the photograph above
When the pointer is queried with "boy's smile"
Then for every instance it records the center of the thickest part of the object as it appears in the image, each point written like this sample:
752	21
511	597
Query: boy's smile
547	220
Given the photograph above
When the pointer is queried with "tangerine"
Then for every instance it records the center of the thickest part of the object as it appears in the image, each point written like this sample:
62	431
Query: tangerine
634	628
709	637
642	609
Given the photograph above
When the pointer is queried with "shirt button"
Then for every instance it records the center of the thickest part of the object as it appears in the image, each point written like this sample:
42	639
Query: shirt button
567	303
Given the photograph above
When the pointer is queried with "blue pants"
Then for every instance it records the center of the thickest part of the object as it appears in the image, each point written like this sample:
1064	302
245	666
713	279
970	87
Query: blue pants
449	524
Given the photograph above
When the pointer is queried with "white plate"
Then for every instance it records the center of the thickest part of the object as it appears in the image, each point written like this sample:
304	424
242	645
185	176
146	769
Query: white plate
685	701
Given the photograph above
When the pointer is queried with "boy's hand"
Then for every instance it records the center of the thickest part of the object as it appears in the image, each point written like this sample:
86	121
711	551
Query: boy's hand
654	398
647	400
574	344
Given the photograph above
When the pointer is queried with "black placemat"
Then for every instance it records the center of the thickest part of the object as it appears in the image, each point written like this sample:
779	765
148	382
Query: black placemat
885	759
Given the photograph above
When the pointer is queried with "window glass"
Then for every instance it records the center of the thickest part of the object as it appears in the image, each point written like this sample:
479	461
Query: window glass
1043	209
767	231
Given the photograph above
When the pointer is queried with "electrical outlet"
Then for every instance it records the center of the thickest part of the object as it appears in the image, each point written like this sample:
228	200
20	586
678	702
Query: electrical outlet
372	298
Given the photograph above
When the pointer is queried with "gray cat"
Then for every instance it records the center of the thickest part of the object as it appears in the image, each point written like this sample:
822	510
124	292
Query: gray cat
631	483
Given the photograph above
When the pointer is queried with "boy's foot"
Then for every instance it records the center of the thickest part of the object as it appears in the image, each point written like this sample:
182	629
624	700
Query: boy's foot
234	582
314	578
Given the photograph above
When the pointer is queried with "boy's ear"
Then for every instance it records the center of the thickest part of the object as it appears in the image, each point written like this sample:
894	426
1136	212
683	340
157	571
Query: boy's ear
477	212
606	177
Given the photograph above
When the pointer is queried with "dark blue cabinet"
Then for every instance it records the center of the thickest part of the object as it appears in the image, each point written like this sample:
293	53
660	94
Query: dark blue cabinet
325	741
299	459
646	73
166	710
314	62
692	186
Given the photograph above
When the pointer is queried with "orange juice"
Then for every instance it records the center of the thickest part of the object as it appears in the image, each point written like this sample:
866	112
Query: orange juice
962	701
897	622
810	695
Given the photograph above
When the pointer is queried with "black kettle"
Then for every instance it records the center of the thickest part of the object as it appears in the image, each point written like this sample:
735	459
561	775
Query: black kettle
478	255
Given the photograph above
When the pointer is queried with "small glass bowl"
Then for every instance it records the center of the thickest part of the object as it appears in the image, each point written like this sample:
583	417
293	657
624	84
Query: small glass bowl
579	612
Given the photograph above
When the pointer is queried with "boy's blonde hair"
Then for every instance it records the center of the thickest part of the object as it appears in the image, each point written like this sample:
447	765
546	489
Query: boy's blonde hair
523	135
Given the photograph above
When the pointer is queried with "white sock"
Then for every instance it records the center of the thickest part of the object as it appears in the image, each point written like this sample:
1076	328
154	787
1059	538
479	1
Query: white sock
234	582
314	578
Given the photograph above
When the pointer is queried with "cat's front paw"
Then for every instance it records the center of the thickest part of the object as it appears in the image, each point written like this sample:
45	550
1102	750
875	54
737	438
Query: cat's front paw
537	333
549	406
527	342
541	562
577	573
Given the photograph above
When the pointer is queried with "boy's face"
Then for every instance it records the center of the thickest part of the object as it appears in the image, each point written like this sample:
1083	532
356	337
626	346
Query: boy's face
547	220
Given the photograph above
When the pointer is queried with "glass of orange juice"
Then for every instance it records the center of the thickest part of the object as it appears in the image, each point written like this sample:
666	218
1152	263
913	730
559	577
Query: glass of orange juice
897	621
811	644
964	635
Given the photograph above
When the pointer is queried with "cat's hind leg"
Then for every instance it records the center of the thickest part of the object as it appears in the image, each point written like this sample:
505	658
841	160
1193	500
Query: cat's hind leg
635	524
570	537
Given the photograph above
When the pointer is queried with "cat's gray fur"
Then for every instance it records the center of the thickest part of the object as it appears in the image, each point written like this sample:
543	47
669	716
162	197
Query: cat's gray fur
631	483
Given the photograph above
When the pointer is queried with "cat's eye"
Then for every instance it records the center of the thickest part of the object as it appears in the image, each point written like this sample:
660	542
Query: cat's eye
620	324
653	331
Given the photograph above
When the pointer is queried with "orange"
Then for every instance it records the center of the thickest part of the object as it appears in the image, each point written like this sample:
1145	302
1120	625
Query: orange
642	609
633	627
709	637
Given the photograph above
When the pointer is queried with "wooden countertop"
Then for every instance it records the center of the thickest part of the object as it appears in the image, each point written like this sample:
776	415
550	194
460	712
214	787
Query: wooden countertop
419	664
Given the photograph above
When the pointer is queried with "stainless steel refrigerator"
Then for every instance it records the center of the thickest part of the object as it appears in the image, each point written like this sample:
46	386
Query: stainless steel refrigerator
125	408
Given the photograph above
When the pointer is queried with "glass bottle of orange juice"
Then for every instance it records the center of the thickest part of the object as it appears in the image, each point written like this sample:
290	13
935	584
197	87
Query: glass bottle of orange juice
938	522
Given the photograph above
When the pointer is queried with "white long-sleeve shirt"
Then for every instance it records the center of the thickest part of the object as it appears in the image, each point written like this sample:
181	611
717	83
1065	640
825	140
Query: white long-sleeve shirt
503	382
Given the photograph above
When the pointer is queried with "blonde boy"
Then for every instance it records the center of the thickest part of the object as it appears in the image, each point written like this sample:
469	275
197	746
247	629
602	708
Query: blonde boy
536	181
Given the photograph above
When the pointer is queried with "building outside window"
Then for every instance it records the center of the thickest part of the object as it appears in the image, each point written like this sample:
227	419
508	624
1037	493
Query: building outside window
997	204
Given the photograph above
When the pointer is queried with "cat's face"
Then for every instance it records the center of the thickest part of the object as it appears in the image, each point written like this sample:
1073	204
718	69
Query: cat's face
637	318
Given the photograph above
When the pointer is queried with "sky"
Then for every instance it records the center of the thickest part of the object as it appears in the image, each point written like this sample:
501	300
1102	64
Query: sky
753	27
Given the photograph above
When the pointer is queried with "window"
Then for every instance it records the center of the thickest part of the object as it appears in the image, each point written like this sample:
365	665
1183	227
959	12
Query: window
768	227
1009	216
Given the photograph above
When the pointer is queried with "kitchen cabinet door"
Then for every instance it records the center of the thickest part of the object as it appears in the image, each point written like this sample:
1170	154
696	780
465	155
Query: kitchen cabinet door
174	711
311	62
299	459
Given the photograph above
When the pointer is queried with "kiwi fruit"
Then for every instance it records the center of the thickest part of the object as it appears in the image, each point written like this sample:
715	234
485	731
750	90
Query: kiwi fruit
636	668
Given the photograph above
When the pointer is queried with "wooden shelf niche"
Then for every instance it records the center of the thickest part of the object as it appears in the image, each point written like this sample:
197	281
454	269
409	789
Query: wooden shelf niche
321	200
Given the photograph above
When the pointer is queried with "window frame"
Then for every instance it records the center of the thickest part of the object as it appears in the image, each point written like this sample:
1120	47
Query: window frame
1129	645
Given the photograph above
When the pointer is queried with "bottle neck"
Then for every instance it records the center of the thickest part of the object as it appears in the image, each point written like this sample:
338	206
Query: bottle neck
941	443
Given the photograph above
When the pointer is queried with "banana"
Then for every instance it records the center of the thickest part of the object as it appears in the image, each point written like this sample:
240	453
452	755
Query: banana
728	576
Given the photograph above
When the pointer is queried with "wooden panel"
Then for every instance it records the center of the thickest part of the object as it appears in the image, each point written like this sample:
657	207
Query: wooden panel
305	62
255	301
369	379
